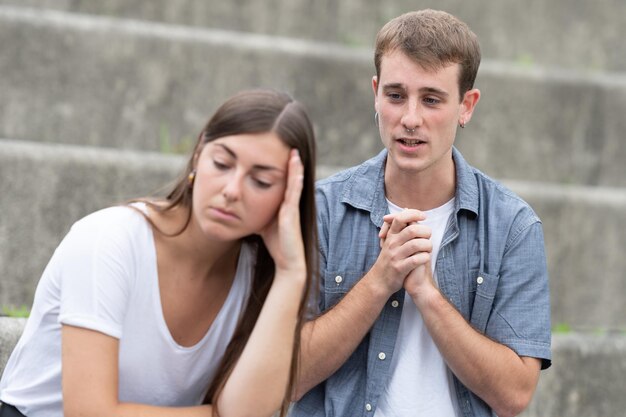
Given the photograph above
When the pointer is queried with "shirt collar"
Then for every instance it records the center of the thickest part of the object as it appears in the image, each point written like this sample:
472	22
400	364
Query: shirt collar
365	188
466	185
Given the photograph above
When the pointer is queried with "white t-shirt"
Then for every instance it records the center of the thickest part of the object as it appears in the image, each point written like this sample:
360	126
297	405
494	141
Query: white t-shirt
103	276
420	383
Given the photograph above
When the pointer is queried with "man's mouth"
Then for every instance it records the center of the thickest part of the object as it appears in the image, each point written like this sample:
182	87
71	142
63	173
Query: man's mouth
411	142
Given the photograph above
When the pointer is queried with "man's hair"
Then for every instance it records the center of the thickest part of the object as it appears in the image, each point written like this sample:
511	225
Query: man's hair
433	39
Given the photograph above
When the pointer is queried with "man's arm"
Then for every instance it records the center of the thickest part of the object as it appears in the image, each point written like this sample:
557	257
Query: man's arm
489	369
329	340
505	379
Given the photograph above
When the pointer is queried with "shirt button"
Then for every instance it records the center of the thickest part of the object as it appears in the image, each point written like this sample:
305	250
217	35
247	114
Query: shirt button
382	356
395	303
368	407
338	279
479	280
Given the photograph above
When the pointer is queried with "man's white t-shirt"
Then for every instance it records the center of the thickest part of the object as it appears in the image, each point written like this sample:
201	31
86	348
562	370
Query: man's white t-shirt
103	276
420	383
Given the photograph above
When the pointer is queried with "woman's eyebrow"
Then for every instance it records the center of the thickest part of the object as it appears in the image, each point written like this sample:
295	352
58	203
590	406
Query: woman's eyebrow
259	167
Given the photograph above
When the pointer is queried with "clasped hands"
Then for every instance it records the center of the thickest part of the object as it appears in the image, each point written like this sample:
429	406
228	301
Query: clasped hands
405	256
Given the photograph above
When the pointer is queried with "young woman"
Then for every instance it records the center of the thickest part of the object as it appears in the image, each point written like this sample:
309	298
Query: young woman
189	305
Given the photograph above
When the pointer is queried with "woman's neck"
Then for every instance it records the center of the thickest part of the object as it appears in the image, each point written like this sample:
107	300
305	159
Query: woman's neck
191	249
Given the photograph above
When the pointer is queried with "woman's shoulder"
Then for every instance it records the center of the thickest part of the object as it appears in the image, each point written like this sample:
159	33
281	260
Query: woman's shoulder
119	224
123	215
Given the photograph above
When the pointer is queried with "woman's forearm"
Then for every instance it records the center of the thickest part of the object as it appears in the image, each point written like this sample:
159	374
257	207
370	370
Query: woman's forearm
259	380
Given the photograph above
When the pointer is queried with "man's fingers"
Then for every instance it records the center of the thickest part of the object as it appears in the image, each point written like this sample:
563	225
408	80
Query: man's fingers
399	221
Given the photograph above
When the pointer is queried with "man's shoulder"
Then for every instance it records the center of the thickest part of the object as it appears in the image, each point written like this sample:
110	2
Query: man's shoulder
365	174
499	203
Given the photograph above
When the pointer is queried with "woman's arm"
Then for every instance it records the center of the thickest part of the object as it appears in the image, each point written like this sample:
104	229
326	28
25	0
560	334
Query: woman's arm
262	371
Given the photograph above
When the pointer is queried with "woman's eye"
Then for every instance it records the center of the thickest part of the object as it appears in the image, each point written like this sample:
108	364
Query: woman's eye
262	184
220	165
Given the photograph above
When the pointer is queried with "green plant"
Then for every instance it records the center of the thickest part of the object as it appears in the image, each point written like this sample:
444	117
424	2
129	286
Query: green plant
11	311
525	60
167	145
562	328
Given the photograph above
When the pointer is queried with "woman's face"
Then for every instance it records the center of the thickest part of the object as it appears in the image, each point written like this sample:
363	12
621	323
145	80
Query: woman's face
240	183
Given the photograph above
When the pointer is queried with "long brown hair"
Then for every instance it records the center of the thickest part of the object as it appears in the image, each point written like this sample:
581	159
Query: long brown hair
259	111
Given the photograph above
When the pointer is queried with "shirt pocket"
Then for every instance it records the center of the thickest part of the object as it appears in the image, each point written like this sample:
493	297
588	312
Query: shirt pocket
484	290
337	284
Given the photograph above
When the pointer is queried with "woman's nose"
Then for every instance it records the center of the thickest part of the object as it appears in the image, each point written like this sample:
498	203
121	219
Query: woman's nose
232	189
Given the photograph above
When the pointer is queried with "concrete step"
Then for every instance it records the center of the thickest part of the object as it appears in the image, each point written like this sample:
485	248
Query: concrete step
130	84
47	187
10	331
572	34
586	379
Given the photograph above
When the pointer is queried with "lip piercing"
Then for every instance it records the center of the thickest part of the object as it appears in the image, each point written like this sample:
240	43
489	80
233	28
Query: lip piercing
410	131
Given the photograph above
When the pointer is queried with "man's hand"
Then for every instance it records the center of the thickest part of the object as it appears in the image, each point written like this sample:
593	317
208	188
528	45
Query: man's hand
405	245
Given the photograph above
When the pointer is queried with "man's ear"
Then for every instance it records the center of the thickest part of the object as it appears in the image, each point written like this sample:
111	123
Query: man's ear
375	89
468	104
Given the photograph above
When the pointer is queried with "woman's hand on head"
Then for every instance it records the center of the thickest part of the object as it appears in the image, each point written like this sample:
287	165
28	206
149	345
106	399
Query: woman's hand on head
283	236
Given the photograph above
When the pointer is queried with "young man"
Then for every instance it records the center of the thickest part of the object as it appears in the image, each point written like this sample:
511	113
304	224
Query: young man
435	293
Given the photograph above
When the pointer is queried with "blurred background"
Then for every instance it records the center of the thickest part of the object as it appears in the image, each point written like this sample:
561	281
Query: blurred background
101	100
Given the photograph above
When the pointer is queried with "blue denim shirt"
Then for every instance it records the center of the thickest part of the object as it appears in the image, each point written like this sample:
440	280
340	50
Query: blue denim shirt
491	266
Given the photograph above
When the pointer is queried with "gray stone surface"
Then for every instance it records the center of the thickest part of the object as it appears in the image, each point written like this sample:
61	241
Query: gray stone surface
587	378
131	84
566	33
10	332
46	188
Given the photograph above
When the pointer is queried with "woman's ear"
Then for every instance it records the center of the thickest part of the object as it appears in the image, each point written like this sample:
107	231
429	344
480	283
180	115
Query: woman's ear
196	153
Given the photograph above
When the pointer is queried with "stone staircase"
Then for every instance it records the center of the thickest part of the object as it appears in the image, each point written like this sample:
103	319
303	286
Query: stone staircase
96	96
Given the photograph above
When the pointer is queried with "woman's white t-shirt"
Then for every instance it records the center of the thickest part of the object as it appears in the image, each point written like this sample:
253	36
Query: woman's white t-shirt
103	276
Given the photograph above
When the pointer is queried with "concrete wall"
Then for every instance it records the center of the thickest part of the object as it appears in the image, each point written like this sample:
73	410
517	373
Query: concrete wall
563	33
135	85
47	188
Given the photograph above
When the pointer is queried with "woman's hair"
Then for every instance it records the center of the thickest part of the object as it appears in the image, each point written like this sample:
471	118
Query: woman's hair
433	39
260	111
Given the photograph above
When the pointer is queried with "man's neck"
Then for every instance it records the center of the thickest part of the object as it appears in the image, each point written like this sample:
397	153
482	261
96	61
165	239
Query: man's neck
422	191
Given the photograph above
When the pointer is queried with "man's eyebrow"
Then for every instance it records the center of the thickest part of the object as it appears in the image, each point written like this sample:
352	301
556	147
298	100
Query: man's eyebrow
434	90
259	167
431	90
393	85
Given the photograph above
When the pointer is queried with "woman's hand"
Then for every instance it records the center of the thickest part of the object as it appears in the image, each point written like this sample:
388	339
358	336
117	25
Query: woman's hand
283	236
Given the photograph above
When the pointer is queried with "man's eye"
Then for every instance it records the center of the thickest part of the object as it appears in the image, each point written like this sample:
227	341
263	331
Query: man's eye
431	100
394	96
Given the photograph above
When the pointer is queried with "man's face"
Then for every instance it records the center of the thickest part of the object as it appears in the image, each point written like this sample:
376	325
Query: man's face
419	112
